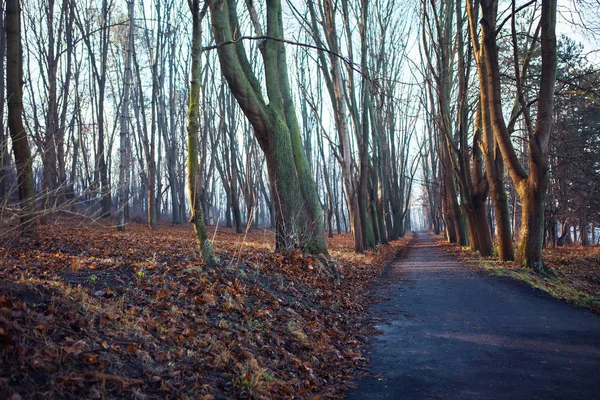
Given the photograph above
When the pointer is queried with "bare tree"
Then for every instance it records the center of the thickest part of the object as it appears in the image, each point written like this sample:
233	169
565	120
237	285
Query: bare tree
197	217
297	208
531	186
4	155
100	74
14	91
124	147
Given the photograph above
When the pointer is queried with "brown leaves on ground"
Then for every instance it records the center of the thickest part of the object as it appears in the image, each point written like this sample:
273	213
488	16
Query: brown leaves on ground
577	271
86	312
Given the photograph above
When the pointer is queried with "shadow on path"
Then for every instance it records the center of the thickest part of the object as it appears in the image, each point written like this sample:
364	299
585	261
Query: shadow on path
451	333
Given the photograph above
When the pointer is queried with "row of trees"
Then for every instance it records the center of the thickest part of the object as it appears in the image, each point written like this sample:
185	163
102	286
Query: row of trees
125	107
203	97
497	131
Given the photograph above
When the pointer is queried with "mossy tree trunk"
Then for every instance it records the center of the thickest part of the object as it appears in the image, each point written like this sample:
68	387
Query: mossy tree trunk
298	214
366	215
197	217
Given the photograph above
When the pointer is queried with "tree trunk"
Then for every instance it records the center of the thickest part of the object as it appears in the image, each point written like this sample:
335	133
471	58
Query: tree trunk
533	201
480	192
484	240
506	251
297	211
233	171
583	227
335	86
366	219
249	187
530	186
101	166
14	82
4	155
197	218
177	205
124	164
453	213
493	161
327	187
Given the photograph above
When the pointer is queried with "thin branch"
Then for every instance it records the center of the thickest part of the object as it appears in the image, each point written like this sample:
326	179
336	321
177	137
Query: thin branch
499	28
356	67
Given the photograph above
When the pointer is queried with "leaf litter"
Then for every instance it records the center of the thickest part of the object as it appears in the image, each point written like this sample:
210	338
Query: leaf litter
87	312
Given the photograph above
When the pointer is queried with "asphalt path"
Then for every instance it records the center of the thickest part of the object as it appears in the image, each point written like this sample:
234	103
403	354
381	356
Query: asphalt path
453	333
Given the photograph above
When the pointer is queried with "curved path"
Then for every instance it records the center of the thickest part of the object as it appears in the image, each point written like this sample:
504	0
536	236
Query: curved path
452	333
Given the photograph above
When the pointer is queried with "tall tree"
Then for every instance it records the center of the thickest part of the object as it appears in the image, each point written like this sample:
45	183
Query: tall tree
124	160
14	91
494	165
531	185
197	217
4	155
335	87
297	208
100	73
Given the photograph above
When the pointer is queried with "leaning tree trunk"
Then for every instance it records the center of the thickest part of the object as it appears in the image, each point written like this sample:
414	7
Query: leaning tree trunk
494	164
530	186
14	90
297	209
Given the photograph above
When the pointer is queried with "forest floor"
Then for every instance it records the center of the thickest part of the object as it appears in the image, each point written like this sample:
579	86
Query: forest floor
451	331
576	270
86	312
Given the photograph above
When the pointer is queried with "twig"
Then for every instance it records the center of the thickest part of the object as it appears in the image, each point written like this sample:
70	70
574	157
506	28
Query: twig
110	346
101	376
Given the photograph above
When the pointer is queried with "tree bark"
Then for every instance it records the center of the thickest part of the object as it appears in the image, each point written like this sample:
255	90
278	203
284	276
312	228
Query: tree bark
494	165
197	217
4	155
335	86
101	165
530	186
297	210
124	162
14	90
583	227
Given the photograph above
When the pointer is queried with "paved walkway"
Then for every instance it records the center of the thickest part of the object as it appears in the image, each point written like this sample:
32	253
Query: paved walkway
451	333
